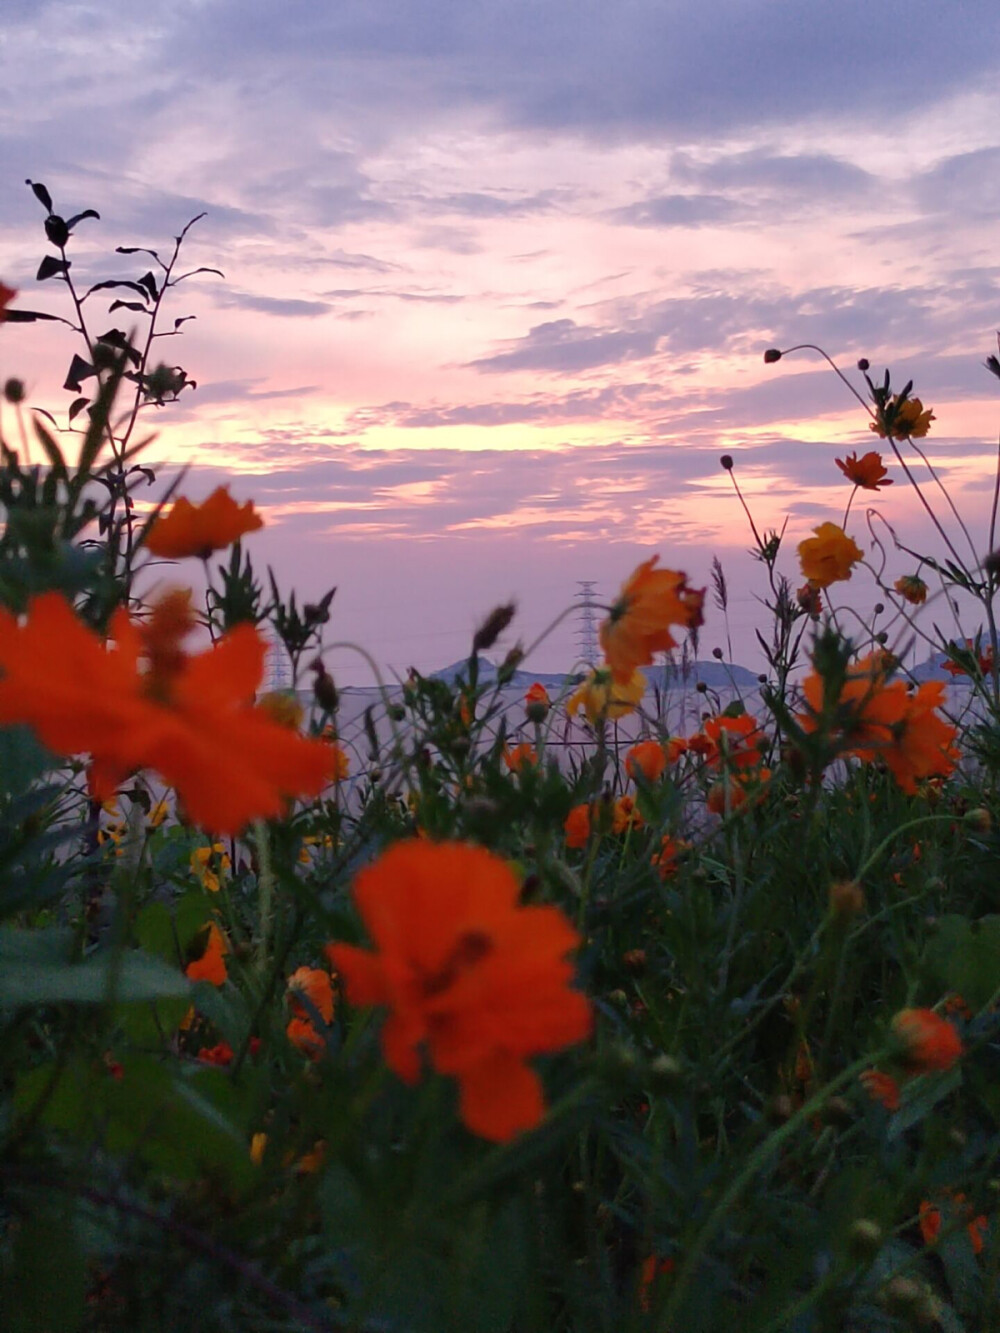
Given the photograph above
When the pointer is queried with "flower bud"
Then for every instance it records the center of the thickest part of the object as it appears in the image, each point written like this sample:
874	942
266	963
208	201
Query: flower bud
771	355
727	462
13	391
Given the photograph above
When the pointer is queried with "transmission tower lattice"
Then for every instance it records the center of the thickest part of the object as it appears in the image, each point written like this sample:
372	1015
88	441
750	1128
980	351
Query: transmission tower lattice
277	670
586	633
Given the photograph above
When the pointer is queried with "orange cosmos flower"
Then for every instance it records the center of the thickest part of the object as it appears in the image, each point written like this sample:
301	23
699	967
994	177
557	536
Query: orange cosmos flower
829	556
902	420
676	747
520	757
190	717
625	815
201	529
929	1041
881	1088
653	1269
221	1054
211	966
340	765
7	295
973	650
650	601
314	985
472	979
665	860
811	600
537	702
601	696
736	740
647	758
577	826
868	472
912	589
201	865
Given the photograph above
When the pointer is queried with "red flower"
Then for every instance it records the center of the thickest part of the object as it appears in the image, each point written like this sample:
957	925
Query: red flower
211	965
471	978
868	472
7	295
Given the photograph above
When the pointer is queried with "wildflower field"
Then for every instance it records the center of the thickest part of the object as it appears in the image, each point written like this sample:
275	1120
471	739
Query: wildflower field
692	1034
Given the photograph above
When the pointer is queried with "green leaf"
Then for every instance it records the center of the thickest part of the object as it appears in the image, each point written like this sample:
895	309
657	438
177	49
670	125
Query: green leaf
44	1280
24	980
964	956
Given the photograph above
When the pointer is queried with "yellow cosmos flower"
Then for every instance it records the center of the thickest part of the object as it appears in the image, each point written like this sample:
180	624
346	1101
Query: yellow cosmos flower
829	556
601	696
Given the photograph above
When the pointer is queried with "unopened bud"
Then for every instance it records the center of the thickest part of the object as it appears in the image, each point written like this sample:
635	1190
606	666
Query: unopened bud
727	462
13	391
771	355
324	689
865	1236
979	820
492	627
717	654
863	364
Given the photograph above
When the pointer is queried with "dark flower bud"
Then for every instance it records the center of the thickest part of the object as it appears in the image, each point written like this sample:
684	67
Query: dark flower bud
863	364
13	391
727	462
717	654
324	689
492	627
771	355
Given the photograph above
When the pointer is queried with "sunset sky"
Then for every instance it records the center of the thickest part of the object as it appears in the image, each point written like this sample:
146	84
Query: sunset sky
499	276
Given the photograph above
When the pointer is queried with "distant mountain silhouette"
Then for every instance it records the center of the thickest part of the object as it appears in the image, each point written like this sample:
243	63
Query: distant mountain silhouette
716	675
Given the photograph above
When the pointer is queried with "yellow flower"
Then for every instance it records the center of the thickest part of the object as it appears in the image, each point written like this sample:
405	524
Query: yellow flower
600	696
829	556
283	707
157	814
650	602
201	865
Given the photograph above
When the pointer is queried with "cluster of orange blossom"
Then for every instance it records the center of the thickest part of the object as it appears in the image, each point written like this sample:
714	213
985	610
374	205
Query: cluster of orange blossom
889	721
473	981
141	701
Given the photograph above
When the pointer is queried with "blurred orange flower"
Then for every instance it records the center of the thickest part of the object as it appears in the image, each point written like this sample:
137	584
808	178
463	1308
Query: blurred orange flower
912	589
881	1088
211	965
974	651
470	977
930	1220
201	529
577	826
868	471
676	747
650	602
929	1042
829	556
190	717
520	757
648	758
665	860
625	815
537	696
737	741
